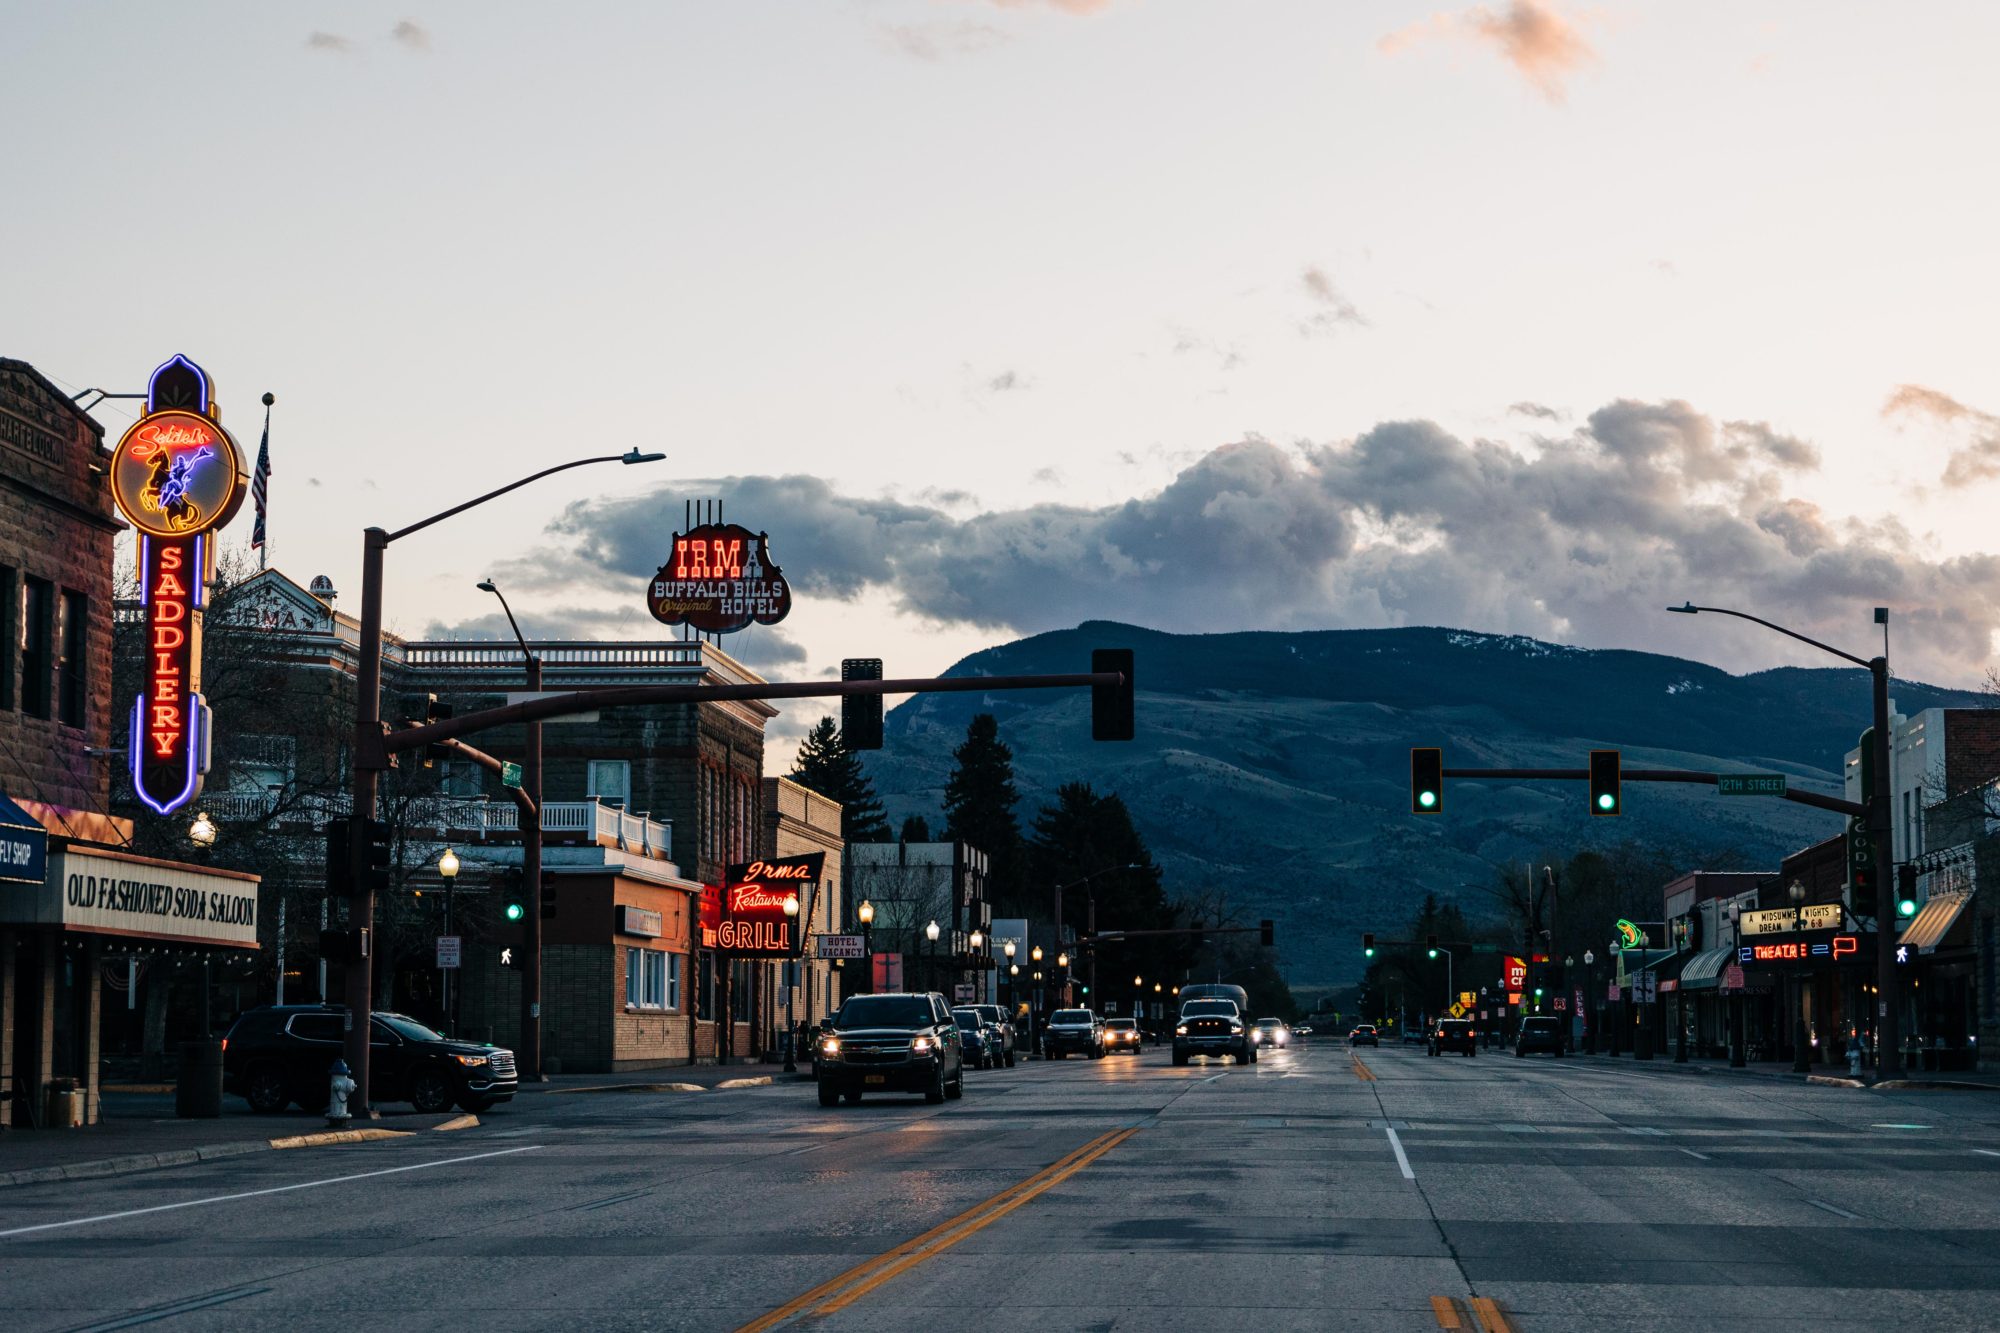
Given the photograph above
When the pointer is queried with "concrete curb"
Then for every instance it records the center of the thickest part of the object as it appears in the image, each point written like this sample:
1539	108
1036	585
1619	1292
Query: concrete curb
658	1087
761	1081
153	1161
1932	1085
332	1136
1834	1081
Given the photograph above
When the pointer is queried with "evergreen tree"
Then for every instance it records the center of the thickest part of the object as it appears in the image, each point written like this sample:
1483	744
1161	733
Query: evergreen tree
979	802
827	766
915	829
1083	834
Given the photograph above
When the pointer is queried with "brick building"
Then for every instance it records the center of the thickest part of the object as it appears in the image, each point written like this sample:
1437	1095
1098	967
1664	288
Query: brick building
81	907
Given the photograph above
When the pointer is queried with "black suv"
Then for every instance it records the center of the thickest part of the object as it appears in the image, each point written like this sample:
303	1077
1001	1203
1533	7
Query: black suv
1073	1030
1454	1034
890	1043
1539	1034
284	1053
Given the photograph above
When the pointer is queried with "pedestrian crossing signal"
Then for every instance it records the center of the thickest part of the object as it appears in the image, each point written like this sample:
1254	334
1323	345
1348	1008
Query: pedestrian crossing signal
1604	782
1426	780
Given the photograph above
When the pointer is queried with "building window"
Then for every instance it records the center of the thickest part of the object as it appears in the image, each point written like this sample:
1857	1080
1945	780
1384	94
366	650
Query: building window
10	633
38	630
652	979
72	685
456	777
610	780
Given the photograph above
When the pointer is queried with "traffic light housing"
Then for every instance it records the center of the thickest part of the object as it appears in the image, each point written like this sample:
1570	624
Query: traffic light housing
1267	934
419	709
375	843
1605	796
344	946
1111	705
1906	891
513	903
339	858
861	714
1431	945
548	900
1864	891
1426	780
1367	944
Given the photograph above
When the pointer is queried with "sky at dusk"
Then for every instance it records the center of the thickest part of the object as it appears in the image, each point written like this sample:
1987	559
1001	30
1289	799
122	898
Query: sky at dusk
999	315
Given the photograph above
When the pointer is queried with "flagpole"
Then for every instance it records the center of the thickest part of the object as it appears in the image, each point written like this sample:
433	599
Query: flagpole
261	486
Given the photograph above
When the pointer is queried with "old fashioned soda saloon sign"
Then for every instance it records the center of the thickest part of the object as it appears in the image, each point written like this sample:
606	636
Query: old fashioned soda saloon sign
749	916
177	477
720	579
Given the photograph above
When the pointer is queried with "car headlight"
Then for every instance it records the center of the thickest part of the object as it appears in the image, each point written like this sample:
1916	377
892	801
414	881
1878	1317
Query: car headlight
471	1061
1181	1031
920	1043
831	1046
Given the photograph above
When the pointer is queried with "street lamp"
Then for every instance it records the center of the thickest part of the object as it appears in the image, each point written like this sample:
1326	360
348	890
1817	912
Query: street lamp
202	831
865	914
1888	982
369	761
931	934
1801	1057
1589	1001
448	872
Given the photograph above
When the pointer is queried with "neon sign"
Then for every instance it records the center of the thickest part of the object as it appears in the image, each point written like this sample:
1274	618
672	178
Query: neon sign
720	579
177	476
750	918
1827	948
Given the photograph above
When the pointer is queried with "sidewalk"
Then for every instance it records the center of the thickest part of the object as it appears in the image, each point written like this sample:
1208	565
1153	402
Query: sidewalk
1782	1070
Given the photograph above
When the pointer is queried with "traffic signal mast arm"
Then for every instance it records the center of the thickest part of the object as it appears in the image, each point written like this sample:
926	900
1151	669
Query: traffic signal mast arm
486	761
563	705
1833	803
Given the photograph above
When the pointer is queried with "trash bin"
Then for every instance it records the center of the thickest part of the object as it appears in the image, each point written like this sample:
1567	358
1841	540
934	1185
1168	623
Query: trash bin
64	1106
198	1092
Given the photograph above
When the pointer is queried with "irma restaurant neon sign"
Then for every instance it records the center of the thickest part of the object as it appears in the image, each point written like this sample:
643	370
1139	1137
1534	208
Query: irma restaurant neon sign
177	477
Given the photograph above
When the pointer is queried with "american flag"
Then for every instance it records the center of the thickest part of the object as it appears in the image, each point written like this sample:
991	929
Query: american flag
260	484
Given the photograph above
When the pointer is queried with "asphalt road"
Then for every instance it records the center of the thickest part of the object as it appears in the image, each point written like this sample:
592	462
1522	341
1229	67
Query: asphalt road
1312	1190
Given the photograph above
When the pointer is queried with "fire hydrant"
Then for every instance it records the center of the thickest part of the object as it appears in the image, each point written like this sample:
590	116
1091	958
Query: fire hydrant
1854	1054
339	1088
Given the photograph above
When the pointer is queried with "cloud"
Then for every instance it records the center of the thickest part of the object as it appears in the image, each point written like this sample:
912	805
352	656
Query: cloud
1334	308
411	35
330	42
1077	8
1545	413
940	41
1007	381
1543	47
1978	458
1581	539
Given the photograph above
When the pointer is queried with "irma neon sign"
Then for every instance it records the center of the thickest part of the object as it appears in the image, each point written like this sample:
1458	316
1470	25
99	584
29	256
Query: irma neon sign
752	920
720	579
177	477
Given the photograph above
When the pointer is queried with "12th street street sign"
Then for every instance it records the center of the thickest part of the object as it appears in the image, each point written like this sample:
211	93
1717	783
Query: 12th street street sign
1750	784
510	774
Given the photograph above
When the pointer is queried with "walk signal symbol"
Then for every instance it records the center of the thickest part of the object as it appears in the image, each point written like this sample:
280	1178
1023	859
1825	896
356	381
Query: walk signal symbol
1604	782
1426	780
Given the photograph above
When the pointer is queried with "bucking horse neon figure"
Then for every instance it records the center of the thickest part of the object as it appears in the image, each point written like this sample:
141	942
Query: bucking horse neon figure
166	489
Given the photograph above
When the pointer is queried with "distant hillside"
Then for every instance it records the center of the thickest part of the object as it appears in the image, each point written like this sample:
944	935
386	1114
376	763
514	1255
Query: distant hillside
1277	765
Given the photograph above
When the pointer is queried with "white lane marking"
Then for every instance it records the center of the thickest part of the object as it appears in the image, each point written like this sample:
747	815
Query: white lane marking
1700	1155
1986	1152
1212	1077
1644	1129
1402	1158
1838	1212
275	1189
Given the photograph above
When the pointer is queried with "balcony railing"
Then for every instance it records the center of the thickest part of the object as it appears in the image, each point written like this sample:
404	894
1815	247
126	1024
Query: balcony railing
605	825
484	654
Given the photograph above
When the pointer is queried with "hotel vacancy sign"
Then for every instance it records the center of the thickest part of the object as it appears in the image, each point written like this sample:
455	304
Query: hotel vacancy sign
177	477
115	893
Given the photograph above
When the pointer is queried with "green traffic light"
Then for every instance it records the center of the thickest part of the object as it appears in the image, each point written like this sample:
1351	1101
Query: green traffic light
1605	800
1906	907
514	911
1433	953
1427	799
1368	953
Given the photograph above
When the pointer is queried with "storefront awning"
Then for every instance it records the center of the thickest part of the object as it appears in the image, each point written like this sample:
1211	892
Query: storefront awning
1937	916
1704	970
24	846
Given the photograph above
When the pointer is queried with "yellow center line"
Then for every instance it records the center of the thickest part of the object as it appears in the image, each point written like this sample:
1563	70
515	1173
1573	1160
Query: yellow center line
1446	1311
1361	1071
1489	1313
840	1292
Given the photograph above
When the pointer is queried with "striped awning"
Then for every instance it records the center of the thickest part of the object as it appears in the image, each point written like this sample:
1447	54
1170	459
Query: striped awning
1704	970
1928	928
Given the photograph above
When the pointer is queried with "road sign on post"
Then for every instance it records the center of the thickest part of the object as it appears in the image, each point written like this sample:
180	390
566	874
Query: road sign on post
447	950
510	774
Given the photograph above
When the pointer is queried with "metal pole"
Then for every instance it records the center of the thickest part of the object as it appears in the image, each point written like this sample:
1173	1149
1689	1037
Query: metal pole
1092	900
281	945
449	991
531	880
1889	1015
359	986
